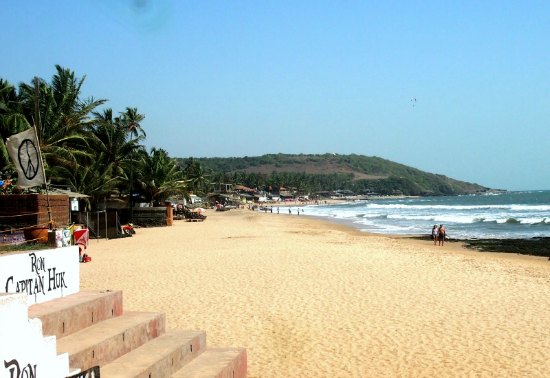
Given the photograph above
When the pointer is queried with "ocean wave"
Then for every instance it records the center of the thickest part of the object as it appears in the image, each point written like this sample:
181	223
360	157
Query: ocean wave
510	207
410	217
536	221
458	219
441	218
510	215
523	221
533	208
435	207
373	216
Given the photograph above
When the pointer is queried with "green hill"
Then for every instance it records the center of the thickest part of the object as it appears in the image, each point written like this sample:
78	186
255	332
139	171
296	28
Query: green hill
313	173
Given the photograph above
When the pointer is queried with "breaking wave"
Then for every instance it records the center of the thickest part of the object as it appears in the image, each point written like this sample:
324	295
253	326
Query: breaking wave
509	215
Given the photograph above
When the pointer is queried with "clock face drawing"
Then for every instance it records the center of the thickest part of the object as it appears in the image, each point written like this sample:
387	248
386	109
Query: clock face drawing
28	158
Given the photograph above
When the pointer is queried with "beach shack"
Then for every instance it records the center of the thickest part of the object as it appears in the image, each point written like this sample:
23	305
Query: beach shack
31	216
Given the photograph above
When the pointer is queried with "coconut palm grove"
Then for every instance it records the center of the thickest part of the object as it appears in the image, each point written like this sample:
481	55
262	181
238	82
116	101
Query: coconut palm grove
86	146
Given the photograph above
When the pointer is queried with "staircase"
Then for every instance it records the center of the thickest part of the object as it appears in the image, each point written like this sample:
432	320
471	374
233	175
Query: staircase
92	329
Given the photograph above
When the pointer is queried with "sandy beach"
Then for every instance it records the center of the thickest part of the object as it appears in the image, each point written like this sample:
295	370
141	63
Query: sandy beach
312	299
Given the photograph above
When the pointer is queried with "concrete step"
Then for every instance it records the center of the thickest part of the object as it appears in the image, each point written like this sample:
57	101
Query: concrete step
64	316
216	363
107	340
159	357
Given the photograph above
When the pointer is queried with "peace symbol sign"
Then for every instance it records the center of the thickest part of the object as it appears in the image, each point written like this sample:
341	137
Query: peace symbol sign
28	158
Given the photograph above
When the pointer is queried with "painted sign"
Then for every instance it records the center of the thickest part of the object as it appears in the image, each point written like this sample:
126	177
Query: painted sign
42	275
24	351
17	371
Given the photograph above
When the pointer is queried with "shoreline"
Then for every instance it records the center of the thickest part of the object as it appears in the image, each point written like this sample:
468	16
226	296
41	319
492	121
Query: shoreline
535	242
512	249
517	248
536	247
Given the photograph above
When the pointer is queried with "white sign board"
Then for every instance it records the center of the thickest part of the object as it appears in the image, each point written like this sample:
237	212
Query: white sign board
43	274
24	351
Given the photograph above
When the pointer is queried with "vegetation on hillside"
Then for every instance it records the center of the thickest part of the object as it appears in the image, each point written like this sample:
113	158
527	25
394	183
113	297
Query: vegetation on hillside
329	172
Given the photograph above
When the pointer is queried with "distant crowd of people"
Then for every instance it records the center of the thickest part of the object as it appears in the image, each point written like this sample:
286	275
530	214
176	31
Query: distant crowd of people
269	209
438	234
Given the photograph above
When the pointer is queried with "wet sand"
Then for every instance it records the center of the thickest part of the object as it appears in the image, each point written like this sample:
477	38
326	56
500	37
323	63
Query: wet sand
313	299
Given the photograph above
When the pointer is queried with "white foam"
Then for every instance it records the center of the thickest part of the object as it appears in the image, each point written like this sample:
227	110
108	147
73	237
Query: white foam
469	217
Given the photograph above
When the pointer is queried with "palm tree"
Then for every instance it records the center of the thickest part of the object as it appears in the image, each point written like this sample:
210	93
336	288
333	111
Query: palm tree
111	138
197	176
159	176
92	179
62	119
12	120
132	120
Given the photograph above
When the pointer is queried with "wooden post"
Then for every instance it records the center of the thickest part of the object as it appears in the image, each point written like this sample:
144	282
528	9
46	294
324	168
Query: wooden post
37	120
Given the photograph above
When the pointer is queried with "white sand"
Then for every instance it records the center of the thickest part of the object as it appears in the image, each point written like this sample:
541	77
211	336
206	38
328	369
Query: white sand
311	299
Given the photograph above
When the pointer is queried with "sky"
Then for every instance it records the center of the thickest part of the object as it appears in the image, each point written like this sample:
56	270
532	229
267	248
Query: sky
458	88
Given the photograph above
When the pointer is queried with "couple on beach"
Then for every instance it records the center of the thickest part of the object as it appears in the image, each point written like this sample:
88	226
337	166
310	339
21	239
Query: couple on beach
438	234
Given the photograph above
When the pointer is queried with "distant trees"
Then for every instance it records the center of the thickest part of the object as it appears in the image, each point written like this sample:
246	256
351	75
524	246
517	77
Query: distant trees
302	182
198	179
330	172
159	177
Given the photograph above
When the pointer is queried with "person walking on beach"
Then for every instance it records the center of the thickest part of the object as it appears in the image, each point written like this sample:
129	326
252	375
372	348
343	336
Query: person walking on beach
441	234
434	234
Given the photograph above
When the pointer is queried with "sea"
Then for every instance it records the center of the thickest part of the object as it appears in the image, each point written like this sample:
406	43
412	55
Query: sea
502	215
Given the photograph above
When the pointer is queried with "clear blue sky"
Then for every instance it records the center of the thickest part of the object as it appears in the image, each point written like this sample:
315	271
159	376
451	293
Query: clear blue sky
246	78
